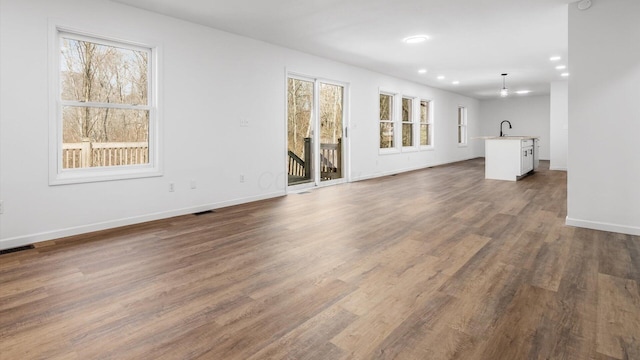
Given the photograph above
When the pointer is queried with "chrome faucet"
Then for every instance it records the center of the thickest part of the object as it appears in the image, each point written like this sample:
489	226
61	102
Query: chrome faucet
504	121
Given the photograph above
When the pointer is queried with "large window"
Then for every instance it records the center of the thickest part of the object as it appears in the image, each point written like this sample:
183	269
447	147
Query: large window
387	123
426	123
407	122
408	126
106	118
462	125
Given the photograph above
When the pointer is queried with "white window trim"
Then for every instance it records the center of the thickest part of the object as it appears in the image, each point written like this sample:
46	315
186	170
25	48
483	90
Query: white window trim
415	103
60	176
394	121
430	118
464	125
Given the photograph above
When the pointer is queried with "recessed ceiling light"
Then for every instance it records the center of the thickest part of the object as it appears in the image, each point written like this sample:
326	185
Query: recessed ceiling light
555	58
415	39
522	92
583	4
561	67
440	77
422	71
455	82
565	74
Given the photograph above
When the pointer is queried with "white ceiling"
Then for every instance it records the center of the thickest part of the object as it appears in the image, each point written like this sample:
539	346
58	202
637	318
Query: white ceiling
472	41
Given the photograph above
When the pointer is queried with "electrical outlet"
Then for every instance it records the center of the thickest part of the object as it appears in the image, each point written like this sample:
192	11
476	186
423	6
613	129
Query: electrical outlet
1	206
172	187
244	122
241	178
193	184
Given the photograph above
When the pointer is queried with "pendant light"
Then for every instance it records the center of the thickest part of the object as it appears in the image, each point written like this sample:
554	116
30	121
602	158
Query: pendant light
504	92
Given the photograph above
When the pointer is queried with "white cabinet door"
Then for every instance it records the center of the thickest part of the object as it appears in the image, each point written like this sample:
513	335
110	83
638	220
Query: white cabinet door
526	163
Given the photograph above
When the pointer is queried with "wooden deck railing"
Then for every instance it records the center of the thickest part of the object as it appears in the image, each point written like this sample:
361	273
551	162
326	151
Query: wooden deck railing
92	154
330	161
296	165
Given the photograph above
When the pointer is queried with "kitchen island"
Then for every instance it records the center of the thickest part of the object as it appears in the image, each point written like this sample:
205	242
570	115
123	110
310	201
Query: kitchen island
510	157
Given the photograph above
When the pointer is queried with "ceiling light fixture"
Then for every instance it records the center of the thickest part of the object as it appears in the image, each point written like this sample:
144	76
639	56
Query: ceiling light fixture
583	4
422	71
555	58
440	77
523	92
455	82
561	67
565	74
504	92
415	39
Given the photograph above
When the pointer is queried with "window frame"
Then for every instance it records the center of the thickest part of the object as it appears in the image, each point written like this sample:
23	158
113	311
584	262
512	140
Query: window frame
59	175
428	123
411	121
393	121
462	126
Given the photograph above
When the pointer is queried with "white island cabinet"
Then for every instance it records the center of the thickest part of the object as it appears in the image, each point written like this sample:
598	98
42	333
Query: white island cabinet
510	157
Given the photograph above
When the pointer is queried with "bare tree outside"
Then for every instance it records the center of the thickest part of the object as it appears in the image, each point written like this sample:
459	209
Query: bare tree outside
299	114
386	121
330	113
425	126
101	86
407	122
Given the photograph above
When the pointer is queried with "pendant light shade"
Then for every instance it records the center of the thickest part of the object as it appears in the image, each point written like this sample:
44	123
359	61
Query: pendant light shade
504	92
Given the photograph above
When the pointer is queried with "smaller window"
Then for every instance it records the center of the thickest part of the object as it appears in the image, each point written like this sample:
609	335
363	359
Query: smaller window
426	125
387	125
462	125
407	122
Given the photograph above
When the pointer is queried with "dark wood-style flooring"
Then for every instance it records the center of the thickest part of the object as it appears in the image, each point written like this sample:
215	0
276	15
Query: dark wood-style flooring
432	264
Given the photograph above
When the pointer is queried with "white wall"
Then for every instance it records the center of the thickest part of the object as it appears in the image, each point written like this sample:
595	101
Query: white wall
559	125
211	79
604	116
529	115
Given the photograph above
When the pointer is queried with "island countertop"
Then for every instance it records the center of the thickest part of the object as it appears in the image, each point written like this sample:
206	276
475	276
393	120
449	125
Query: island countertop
510	157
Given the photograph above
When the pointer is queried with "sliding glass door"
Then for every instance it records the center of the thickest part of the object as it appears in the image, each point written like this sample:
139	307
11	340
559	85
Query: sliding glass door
315	132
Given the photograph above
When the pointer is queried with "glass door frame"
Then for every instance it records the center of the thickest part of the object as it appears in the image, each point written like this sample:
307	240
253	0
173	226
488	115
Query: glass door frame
315	139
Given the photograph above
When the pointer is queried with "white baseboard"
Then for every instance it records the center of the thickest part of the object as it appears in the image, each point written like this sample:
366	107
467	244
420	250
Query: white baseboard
596	225
83	229
558	168
398	171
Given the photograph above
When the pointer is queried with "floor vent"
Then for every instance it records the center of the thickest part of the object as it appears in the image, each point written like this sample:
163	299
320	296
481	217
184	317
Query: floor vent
203	212
304	192
393	175
16	249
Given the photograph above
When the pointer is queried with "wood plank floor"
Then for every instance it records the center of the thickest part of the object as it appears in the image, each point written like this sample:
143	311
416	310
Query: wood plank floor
432	264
